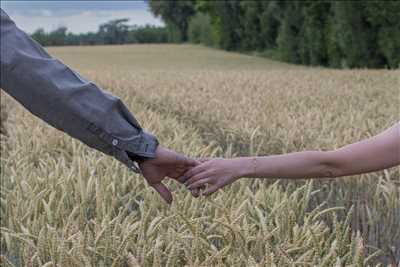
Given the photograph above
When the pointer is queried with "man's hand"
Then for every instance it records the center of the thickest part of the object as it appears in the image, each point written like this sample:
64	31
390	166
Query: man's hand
167	163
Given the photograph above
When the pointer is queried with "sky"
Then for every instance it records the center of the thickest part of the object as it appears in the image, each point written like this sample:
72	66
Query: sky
77	16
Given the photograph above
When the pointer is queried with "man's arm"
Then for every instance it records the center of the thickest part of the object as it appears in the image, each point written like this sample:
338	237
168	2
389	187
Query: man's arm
70	103
67	101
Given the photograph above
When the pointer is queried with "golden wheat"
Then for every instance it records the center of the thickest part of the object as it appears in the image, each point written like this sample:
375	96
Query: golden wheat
63	204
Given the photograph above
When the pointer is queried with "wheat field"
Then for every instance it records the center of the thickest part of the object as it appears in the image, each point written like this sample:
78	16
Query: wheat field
64	204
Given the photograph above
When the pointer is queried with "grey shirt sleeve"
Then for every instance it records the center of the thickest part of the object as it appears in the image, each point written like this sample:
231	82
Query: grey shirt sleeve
67	101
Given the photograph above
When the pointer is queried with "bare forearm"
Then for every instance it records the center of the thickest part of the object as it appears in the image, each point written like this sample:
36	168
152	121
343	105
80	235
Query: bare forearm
307	164
376	153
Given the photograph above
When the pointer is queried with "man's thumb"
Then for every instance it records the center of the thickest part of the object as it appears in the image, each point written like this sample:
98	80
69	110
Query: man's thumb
163	191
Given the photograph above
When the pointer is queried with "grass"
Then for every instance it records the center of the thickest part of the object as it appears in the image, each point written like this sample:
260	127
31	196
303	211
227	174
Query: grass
63	204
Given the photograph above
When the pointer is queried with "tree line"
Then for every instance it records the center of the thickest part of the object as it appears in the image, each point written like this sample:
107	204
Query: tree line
340	34
113	32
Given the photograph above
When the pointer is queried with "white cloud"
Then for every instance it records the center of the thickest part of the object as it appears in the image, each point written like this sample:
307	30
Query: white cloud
79	16
83	22
46	13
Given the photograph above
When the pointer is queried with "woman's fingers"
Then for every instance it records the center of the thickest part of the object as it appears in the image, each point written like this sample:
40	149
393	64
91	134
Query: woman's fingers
199	176
189	162
203	160
199	183
193	171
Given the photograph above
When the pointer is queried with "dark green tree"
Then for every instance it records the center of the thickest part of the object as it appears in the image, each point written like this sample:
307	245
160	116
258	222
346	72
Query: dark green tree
225	16
176	14
58	36
290	31
41	37
385	17
270	19
200	30
251	26
147	34
114	32
356	39
314	46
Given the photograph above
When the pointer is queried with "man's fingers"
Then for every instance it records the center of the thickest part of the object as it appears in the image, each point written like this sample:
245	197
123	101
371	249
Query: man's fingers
198	183
163	191
210	190
195	192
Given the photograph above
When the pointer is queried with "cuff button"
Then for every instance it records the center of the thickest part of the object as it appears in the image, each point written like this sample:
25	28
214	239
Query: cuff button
115	142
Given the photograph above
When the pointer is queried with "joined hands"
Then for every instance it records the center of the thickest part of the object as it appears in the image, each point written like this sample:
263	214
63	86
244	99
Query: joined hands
195	174
167	163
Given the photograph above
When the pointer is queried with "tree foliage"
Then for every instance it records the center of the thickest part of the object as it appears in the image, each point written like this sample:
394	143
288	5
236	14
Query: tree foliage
200	30
340	34
354	34
176	14
113	32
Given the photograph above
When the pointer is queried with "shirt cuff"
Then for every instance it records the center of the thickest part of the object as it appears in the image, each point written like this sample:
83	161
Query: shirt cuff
142	147
146	148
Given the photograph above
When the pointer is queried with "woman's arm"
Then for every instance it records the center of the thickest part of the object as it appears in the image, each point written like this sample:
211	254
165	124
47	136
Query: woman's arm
379	152
376	153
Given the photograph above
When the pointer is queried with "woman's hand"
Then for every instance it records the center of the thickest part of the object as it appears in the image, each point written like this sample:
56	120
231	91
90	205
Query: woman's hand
215	173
